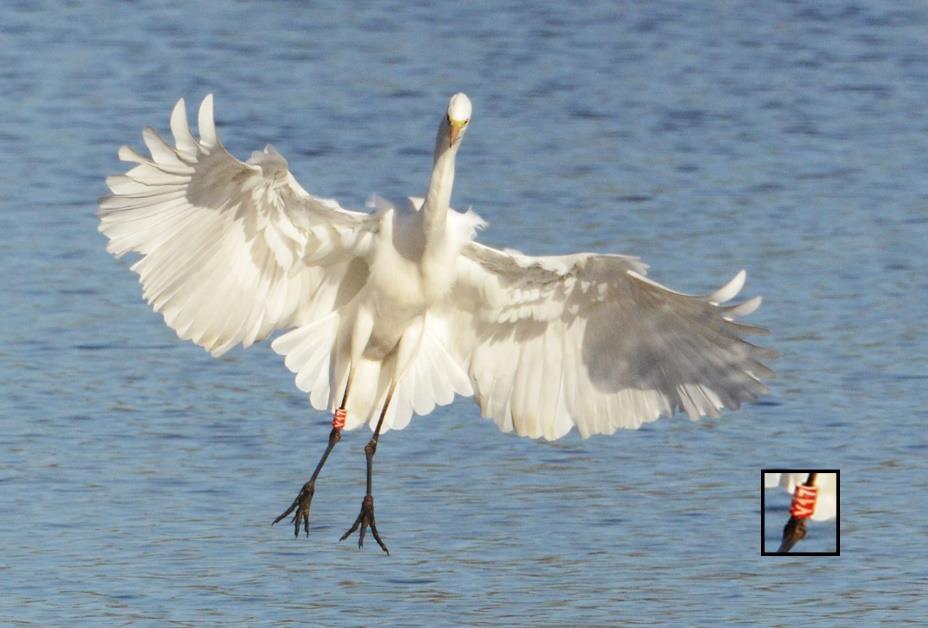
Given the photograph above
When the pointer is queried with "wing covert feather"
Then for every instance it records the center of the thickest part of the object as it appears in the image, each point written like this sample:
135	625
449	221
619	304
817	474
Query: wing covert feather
587	340
230	250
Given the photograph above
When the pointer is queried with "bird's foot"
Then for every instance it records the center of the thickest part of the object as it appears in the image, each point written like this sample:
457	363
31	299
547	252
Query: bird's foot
301	505
365	519
793	532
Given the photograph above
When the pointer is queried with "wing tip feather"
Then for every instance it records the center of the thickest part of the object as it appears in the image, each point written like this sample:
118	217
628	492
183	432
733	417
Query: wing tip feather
206	122
731	288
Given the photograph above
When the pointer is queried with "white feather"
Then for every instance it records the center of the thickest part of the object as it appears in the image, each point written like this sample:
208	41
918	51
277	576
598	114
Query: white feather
232	251
220	237
633	350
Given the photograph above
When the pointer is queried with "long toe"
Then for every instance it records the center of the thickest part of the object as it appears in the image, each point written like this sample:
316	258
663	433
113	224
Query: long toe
286	512
378	539
366	520
298	519
301	505
353	527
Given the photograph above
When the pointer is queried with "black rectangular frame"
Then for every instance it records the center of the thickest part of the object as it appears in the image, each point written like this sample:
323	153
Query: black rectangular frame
837	551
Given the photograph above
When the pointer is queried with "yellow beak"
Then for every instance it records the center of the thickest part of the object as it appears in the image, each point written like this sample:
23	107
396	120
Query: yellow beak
456	126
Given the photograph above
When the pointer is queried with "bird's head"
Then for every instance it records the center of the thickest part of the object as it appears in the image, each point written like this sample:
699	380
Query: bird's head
457	118
793	532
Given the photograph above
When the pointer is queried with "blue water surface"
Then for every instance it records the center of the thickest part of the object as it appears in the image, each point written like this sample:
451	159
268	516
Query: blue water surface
139	476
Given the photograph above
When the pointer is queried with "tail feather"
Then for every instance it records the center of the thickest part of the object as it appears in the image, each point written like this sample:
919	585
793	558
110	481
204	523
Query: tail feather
317	353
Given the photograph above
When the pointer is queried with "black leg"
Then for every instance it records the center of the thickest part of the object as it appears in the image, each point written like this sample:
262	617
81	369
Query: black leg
793	532
366	516
304	499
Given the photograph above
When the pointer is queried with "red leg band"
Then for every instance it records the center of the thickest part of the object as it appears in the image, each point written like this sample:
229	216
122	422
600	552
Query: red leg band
338	421
803	501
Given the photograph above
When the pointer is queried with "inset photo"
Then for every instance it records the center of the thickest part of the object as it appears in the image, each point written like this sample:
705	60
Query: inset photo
800	512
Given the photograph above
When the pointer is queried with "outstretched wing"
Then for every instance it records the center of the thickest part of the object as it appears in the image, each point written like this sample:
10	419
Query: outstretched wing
230	250
586	340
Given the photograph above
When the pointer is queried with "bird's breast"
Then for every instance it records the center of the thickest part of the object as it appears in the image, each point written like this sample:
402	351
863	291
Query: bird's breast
409	272
403	284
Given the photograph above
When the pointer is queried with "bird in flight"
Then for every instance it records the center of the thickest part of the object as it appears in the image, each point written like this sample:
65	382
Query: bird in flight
393	312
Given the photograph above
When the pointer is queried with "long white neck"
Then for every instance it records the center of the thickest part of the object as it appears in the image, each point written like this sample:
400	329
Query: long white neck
438	197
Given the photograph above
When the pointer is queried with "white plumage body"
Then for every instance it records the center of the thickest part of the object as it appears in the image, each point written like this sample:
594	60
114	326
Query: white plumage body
232	251
381	330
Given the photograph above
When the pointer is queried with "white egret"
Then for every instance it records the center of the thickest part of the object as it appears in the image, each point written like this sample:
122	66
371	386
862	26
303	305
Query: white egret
815	496
394	312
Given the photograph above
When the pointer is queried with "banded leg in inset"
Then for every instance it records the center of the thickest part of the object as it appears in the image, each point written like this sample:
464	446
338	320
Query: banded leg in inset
304	499
795	529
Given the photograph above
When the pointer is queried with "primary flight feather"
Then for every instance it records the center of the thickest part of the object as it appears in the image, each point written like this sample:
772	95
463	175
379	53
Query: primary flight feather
393	312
